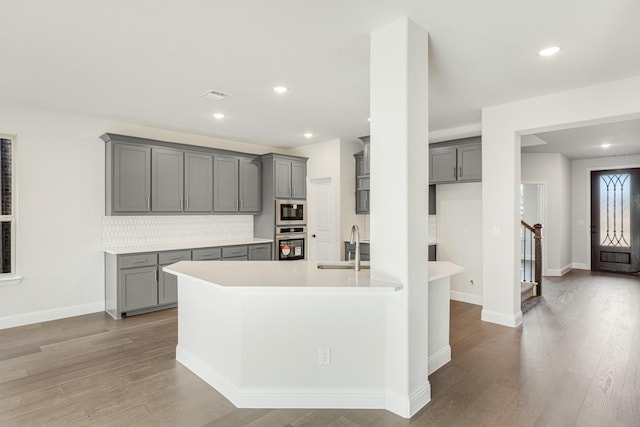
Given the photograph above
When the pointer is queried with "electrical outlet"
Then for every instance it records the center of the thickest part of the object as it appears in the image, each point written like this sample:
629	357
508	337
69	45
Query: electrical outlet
472	282
324	356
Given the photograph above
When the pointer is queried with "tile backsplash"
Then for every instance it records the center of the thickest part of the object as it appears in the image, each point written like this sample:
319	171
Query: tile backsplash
433	226
118	231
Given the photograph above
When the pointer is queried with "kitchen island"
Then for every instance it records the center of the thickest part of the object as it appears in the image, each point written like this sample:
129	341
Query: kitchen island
286	334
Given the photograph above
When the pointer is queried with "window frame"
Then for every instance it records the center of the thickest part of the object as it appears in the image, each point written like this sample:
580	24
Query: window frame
11	278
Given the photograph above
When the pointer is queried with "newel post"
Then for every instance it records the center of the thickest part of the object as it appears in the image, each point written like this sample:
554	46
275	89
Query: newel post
538	257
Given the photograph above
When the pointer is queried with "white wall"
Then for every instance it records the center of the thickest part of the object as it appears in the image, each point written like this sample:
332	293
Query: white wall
581	200
554	170
502	126
459	212
324	161
60	203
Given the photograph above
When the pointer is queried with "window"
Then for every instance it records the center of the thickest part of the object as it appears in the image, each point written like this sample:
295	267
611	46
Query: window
7	208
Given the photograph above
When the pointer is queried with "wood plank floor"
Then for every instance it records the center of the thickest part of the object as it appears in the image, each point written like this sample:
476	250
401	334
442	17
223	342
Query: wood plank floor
575	361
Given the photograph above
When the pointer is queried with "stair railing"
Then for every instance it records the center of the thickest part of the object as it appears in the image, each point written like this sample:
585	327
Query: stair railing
532	246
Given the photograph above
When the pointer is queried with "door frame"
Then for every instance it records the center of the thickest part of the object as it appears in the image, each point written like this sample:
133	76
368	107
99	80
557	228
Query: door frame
335	214
587	179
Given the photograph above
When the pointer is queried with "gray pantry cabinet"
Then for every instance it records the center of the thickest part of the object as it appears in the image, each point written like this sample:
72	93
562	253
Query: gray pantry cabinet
136	284
237	185
455	161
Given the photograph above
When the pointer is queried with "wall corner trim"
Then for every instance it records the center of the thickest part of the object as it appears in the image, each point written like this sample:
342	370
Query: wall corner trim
504	319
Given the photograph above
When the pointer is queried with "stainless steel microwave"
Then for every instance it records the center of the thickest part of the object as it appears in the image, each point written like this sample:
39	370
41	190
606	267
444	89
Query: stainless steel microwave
291	212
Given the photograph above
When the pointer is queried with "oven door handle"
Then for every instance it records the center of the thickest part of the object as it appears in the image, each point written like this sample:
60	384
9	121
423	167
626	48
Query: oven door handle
291	236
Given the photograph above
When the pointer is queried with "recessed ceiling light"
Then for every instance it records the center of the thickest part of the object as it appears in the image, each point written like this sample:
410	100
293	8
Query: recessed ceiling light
605	145
549	51
308	135
218	116
280	89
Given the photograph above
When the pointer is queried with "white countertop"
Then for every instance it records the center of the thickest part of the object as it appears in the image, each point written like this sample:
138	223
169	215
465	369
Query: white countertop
157	247
288	274
278	274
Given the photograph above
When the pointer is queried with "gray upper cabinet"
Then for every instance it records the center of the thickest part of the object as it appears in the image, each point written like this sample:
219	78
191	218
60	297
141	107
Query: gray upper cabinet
198	182
455	161
145	176
470	163
282	183
298	180
129	178
363	177
225	184
290	178
250	188
167	174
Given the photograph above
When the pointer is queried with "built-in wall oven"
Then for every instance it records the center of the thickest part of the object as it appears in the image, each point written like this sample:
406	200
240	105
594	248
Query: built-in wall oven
291	243
291	212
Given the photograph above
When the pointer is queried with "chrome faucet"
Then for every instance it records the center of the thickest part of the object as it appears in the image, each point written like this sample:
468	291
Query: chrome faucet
355	238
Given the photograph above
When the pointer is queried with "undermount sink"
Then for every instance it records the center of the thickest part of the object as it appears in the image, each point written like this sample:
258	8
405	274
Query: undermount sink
342	265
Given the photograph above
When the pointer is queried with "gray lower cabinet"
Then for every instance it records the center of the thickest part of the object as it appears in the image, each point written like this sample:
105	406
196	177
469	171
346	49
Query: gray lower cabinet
138	288
260	252
168	283
136	283
128	178
198	182
167	175
455	161
350	251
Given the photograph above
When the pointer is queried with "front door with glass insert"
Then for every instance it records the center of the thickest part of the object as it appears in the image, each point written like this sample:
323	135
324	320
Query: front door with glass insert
615	220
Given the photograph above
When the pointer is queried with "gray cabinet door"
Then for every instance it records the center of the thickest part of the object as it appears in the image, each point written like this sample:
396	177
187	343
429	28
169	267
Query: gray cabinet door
362	201
131	178
138	288
250	185
366	169
282	184
167	180
225	184
198	184
470	163
432	199
261	252
298	180
442	164
167	289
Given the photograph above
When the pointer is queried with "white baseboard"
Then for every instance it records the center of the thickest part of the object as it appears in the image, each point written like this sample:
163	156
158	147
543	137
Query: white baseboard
511	320
439	359
291	397
466	297
559	271
580	266
47	315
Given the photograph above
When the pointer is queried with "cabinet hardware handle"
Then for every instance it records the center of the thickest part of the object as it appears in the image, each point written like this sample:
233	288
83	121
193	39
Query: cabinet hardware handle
237	205
187	200
176	257
148	204
139	261
454	172
461	171
181	204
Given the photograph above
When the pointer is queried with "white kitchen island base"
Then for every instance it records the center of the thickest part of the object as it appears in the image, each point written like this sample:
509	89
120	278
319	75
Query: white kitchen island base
260	345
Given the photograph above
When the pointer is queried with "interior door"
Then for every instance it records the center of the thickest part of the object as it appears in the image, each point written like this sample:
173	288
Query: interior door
615	220
321	224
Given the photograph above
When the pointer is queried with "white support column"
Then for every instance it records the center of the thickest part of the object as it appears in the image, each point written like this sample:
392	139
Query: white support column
399	178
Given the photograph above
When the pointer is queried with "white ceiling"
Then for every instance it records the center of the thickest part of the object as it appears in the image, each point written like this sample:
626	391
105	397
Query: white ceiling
149	61
586	142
